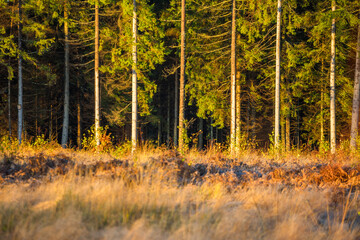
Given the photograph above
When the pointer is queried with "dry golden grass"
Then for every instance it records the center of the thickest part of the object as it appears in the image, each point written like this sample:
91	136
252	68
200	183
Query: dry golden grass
160	194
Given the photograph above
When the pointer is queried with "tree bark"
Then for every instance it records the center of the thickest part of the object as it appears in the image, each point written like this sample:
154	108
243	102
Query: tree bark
168	118
182	79
211	133
78	114
65	128
356	98
201	134
97	80
332	84
134	83
9	107
238	113
233	80
9	79
322	107
287	132
20	81
278	75
176	110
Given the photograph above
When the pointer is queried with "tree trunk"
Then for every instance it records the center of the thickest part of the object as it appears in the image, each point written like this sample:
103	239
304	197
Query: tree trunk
332	84
182	79
322	107
278	75
65	128
233	81
9	79
159	133
36	113
238	113
168	119
287	132
9	107
176	110
20	83
78	114
134	83
356	98
51	117
211	133
97	80
201	134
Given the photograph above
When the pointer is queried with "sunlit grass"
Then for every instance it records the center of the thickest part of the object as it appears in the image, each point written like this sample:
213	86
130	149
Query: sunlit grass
159	195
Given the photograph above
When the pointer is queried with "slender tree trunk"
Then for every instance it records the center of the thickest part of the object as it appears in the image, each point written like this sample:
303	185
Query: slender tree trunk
332	84
356	98
9	107
168	119
201	134
287	115
287	123
282	130
78	114
9	79
211	133
134	110
20	83
176	110
51	116
248	115
322	107
159	133
238	113
182	79
65	128
97	80
233	80
36	113
278	75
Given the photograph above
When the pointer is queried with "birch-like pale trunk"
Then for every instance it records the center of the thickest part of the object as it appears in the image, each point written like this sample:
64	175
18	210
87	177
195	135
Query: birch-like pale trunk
278	75
332	84
176	110
356	98
97	80
233	81
65	128
134	83
20	80
182	79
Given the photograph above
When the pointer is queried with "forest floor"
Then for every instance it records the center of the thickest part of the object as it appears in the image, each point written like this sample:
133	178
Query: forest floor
52	193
